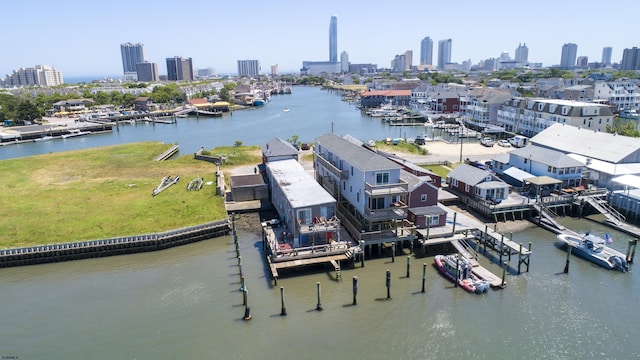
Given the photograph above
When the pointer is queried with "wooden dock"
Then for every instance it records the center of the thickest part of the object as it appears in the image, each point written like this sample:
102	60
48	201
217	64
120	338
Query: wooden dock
167	154
334	260
465	250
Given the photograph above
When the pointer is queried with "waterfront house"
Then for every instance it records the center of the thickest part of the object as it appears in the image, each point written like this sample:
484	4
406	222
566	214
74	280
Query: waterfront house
422	201
306	210
370	193
480	108
376	98
144	103
71	106
475	183
539	161
277	149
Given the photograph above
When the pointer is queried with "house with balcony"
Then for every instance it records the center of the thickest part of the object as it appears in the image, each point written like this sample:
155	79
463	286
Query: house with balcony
480	109
376	98
621	95
371	195
422	202
529	116
539	161
307	212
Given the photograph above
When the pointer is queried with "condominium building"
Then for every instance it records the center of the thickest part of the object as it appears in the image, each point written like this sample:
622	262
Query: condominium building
179	68
426	51
147	71
621	95
248	68
132	55
569	55
522	55
630	59
529	116
606	55
444	53
40	75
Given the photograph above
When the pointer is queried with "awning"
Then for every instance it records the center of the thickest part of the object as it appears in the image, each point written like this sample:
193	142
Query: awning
542	180
517	174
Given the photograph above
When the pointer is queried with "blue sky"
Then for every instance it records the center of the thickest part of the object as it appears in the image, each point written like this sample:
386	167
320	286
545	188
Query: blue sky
82	38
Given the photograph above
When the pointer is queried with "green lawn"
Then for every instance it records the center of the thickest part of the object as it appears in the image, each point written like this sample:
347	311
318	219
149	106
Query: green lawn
100	193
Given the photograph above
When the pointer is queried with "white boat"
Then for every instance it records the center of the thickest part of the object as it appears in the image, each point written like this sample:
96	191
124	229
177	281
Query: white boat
44	138
75	132
286	110
594	249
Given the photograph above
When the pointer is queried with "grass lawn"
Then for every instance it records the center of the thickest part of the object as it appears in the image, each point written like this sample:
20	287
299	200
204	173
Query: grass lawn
100	193
401	147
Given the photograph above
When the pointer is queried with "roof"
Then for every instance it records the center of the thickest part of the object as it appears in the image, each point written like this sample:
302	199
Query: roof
542	180
278	147
606	167
593	144
492	185
246	180
469	174
546	156
428	210
628	180
386	93
298	186
355	155
517	174
414	181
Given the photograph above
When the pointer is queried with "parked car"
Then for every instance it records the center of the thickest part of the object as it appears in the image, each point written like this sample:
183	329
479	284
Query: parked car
487	141
305	146
504	143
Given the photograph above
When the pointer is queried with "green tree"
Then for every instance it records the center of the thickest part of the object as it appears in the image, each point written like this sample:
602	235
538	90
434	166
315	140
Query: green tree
101	98
28	111
238	143
224	94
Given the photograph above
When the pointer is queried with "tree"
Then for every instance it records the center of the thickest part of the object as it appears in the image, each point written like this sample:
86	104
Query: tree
28	111
224	94
238	143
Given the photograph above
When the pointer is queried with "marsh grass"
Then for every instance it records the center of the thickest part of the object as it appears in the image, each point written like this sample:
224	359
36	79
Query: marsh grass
100	193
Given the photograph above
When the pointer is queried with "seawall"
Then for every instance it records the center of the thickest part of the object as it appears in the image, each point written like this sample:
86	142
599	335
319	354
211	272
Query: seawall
112	246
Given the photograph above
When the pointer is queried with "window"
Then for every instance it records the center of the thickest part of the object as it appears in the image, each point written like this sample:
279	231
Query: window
423	197
466	187
358	196
327	211
304	216
382	178
454	182
433	220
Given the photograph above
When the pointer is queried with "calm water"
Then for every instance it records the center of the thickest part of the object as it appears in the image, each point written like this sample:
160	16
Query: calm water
184	302
313	112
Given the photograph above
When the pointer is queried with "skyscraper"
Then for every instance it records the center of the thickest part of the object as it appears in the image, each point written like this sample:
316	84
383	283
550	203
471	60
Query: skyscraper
522	55
426	51
569	55
248	67
606	55
630	59
179	68
408	59
444	53
132	55
333	39
344	62
147	71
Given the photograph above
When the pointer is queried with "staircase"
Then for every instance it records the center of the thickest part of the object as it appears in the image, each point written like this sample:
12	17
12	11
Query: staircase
605	209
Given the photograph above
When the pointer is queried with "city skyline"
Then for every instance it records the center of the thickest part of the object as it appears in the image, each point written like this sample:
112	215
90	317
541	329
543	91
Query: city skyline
285	34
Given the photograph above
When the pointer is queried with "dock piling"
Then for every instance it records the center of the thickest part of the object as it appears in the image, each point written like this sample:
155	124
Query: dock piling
362	253
424	275
631	250
355	290
393	251
388	283
566	265
283	309
455	282
504	273
319	306
408	265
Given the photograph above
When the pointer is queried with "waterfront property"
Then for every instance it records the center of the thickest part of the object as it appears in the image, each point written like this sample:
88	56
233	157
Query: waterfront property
370	194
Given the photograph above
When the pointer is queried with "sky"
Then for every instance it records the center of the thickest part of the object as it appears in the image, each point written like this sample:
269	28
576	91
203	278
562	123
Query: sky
82	38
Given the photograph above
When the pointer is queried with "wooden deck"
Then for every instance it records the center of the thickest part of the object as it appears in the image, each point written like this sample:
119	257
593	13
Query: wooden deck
334	260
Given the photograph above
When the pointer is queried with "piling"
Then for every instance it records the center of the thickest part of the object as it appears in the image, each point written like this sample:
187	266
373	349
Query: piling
455	281
501	245
484	238
283	310
355	290
393	251
529	257
247	314
424	275
631	250
453	232
362	254
408	265
566	265
504	273
244	296
388	282
240	265
319	306
519	260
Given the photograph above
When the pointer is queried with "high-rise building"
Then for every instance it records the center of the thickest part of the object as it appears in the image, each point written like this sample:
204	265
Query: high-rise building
522	54
399	63
179	68
248	68
606	55
274	70
40	75
630	59
569	56
408	59
344	62
333	39
582	62
147	71
444	53
426	51
132	55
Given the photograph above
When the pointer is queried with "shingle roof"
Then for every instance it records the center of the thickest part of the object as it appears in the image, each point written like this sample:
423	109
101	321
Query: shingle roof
278	147
468	174
357	156
546	156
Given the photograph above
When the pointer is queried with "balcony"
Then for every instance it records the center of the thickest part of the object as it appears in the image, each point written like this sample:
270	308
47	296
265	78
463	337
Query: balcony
396	189
340	174
396	212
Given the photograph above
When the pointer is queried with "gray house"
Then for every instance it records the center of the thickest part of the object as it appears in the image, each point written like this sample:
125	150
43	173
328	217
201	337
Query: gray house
278	149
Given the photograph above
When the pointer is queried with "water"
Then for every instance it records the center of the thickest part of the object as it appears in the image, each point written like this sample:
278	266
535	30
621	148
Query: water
185	302
313	112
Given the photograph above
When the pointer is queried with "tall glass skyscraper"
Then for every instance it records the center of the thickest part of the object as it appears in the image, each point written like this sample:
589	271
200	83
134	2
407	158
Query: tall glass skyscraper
606	55
426	51
444	53
132	55
569	56
333	39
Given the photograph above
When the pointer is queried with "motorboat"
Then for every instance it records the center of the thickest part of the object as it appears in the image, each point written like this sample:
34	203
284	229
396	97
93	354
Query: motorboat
594	249
286	110
74	133
458	268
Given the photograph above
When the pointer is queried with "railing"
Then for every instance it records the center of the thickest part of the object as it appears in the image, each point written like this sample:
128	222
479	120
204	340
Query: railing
391	213
386	189
331	167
